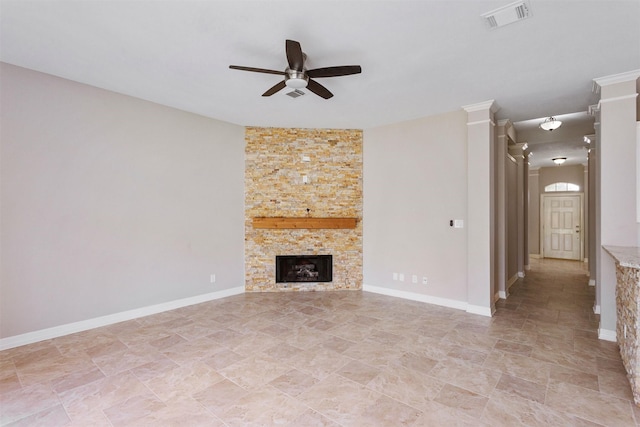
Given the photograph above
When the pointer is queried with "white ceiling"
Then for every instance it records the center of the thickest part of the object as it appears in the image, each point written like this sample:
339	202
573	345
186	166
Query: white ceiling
419	58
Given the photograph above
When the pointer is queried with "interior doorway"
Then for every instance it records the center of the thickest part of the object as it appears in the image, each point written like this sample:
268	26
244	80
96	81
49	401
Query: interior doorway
562	231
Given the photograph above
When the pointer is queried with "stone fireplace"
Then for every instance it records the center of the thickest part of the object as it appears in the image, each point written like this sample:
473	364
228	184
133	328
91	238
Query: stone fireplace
303	173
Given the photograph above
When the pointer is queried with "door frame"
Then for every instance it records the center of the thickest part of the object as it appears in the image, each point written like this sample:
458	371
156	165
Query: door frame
543	199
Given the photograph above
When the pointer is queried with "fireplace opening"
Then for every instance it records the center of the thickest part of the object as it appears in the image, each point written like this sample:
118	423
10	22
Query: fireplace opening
304	268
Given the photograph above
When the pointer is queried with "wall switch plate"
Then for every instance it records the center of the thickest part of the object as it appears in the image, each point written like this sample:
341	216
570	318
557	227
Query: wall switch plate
401	277
414	279
213	278
458	223
395	276
425	280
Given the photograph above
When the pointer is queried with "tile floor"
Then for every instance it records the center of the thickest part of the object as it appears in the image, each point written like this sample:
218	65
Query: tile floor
333	359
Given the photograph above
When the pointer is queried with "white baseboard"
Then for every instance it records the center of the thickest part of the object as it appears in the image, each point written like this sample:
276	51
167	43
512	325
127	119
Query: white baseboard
521	274
592	282
512	280
83	325
503	294
596	309
496	297
481	310
607	335
444	302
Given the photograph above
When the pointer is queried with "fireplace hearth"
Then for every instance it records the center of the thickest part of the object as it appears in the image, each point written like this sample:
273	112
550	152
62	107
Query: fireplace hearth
304	268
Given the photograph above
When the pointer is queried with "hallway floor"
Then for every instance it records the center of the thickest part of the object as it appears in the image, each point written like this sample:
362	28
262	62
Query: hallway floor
333	359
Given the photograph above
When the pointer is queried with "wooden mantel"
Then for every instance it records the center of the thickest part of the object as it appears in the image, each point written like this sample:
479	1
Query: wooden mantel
303	223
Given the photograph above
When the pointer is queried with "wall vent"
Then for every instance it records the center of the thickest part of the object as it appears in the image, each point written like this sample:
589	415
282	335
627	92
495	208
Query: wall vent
508	14
295	93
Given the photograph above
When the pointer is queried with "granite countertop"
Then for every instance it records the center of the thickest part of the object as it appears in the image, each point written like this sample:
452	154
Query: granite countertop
627	256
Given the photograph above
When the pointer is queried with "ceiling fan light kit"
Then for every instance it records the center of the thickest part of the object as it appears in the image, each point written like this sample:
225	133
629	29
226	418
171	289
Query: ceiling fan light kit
296	79
296	76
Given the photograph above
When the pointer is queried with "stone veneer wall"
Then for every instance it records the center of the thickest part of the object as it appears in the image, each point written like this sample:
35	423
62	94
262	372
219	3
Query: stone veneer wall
628	311
274	170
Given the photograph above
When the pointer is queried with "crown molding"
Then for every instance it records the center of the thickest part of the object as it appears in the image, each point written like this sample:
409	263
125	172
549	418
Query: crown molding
599	82
481	106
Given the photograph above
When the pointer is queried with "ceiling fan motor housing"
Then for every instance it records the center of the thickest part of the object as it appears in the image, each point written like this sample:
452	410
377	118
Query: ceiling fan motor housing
296	79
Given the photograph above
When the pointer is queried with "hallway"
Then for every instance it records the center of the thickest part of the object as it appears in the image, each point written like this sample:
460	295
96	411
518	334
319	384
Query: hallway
555	301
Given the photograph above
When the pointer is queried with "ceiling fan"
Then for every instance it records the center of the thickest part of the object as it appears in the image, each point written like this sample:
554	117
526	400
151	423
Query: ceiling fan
296	76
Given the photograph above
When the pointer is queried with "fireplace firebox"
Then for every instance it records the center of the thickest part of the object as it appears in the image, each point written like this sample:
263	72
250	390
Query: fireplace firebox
304	268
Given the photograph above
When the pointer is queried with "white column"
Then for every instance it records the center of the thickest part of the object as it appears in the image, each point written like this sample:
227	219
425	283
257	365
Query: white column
518	153
525	208
481	282
617	158
501	209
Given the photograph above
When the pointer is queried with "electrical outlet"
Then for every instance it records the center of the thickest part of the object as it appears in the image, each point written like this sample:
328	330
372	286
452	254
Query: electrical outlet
395	276
213	278
425	280
401	277
414	279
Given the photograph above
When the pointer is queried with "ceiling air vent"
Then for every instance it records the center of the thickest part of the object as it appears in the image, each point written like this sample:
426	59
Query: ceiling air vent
295	93
507	14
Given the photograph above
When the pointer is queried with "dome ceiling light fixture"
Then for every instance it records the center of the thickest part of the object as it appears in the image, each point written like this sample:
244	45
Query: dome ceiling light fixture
550	124
559	160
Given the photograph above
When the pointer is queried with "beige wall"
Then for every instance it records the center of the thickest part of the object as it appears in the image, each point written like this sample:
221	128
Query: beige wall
111	203
572	173
274	187
415	182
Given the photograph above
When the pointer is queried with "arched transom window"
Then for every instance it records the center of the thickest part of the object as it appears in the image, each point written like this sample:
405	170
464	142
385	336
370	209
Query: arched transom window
561	186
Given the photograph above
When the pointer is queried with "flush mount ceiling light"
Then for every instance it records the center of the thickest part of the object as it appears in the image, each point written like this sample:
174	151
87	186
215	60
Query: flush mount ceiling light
550	124
559	160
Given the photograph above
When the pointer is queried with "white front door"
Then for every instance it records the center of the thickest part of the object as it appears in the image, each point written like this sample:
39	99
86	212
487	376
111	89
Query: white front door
562	233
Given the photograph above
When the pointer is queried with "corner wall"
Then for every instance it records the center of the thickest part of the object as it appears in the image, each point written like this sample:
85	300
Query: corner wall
110	203
274	187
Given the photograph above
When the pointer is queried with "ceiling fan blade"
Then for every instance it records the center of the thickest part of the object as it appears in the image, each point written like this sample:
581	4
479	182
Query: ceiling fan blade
277	87
318	89
294	55
344	70
256	70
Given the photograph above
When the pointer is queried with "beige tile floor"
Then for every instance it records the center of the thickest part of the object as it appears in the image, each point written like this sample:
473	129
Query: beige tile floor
333	359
